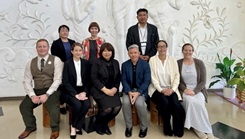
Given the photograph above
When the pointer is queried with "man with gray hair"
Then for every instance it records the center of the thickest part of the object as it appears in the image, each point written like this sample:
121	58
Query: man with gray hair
135	78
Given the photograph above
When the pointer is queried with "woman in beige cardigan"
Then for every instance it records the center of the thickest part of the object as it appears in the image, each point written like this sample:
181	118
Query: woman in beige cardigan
192	87
164	90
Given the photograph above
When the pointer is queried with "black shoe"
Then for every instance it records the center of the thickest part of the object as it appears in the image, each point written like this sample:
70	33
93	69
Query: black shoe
99	131
79	132
143	133
128	132
63	110
179	134
168	132
107	130
73	136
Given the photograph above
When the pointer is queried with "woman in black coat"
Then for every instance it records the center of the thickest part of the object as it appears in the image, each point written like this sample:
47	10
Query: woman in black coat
105	77
62	49
75	81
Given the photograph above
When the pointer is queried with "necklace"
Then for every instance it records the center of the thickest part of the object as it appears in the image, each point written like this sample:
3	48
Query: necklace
108	64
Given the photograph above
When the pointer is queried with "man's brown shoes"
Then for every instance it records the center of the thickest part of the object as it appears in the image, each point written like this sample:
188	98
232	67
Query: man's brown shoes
26	134
54	135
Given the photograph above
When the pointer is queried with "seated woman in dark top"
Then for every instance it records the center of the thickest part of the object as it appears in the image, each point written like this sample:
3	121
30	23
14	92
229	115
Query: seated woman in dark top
106	80
75	80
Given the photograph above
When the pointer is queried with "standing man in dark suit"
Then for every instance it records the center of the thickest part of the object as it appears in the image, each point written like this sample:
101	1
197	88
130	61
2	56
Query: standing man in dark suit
45	73
136	77
145	35
62	49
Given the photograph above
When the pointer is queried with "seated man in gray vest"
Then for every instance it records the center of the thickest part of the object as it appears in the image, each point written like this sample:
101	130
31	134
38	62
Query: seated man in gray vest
136	77
46	72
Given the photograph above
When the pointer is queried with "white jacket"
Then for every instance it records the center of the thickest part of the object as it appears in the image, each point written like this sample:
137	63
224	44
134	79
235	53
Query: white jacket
174	75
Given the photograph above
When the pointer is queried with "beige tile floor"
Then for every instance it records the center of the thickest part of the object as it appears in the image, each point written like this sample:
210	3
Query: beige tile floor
11	124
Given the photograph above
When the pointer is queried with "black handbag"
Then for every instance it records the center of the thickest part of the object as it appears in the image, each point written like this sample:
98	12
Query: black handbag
88	125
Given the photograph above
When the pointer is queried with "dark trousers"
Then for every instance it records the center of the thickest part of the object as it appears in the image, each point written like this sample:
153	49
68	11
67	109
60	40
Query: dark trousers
79	108
167	106
52	105
62	96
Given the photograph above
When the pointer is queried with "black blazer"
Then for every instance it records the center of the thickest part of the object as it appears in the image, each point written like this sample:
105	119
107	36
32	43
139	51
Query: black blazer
152	38
58	49
70	77
100	76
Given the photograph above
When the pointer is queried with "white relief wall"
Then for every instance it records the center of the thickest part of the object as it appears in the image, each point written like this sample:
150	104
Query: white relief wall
211	26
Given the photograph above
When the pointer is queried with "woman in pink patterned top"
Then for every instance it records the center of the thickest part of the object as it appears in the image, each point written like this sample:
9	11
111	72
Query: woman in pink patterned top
91	50
91	45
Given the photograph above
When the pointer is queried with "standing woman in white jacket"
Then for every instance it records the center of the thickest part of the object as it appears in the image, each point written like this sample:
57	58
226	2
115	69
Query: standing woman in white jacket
164	90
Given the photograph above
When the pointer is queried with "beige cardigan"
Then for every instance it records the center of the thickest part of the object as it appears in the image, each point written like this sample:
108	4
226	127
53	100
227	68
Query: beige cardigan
174	75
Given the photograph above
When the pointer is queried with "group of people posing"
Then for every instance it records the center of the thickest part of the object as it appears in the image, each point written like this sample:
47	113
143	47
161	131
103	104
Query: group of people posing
87	71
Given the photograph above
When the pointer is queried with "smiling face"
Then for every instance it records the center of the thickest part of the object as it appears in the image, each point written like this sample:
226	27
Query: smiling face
134	54
94	31
42	48
142	17
187	51
77	52
107	54
162	48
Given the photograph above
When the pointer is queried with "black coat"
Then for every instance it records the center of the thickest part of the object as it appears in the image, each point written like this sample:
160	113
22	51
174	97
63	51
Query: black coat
70	77
58	49
152	38
100	78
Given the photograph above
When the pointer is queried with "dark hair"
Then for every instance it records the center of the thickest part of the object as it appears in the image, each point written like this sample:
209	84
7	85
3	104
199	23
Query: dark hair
109	47
186	45
42	40
76	44
142	10
94	24
63	26
161	41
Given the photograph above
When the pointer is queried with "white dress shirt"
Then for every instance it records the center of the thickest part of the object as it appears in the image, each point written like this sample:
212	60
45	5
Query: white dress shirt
143	37
78	72
57	79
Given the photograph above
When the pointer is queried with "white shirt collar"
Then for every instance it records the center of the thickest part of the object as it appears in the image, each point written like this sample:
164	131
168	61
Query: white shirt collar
45	58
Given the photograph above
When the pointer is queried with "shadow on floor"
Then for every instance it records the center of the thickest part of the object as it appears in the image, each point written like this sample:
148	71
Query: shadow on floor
223	131
1	111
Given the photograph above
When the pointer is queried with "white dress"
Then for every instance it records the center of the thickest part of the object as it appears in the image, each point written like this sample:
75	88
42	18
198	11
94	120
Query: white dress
196	112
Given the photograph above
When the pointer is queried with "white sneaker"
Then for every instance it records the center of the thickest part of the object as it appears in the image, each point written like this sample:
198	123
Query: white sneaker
210	136
200	134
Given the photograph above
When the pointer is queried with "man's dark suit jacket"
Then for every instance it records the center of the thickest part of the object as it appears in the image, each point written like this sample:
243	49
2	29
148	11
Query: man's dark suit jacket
100	76
58	49
143	76
70	77
152	38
